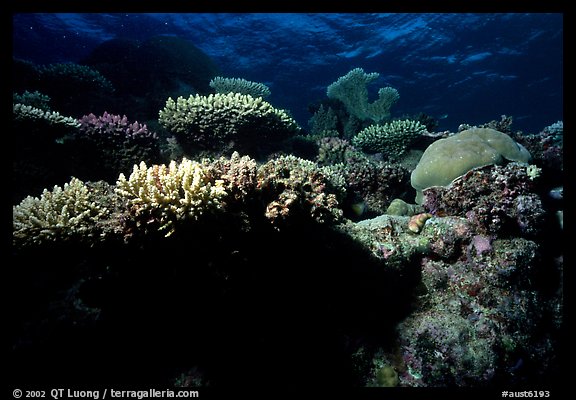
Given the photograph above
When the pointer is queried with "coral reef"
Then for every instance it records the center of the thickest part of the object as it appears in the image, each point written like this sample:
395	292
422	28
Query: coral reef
547	148
146	72
392	139
496	199
39	159
477	303
226	121
446	159
72	88
60	214
352	90
238	85
477	322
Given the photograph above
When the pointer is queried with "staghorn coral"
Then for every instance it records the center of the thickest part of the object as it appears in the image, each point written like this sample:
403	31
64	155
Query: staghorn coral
162	196
61	214
352	91
239	85
223	121
392	139
294	187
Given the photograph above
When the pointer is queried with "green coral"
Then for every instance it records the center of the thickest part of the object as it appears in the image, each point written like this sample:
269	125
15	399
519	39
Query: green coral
74	74
24	113
392	139
239	85
386	376
163	195
33	99
351	89
447	159
400	207
59	214
323	120
220	120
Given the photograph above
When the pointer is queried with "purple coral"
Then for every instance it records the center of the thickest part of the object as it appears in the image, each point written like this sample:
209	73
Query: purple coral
113	125
113	143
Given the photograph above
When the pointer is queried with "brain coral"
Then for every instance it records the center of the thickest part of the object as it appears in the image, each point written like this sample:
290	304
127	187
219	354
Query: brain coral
447	159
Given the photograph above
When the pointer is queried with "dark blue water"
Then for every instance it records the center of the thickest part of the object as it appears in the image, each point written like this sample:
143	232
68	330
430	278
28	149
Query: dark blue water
460	68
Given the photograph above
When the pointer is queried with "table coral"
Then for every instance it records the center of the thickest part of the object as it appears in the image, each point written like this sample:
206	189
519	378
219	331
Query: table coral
223	121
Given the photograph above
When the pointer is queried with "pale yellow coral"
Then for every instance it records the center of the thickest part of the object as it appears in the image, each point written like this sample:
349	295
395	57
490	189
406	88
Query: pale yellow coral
23	112
170	193
58	214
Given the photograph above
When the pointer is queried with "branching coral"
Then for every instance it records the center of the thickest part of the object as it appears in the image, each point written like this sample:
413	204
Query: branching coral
113	143
239	85
238	174
29	114
34	99
293	186
352	90
391	139
59	214
221	120
163	195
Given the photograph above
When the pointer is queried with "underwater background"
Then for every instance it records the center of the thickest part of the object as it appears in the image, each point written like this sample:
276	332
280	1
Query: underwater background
353	200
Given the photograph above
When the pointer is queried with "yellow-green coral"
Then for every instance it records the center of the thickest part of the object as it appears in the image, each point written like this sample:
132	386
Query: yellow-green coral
167	194
352	91
391	139
239	85
59	214
219	119
28	113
